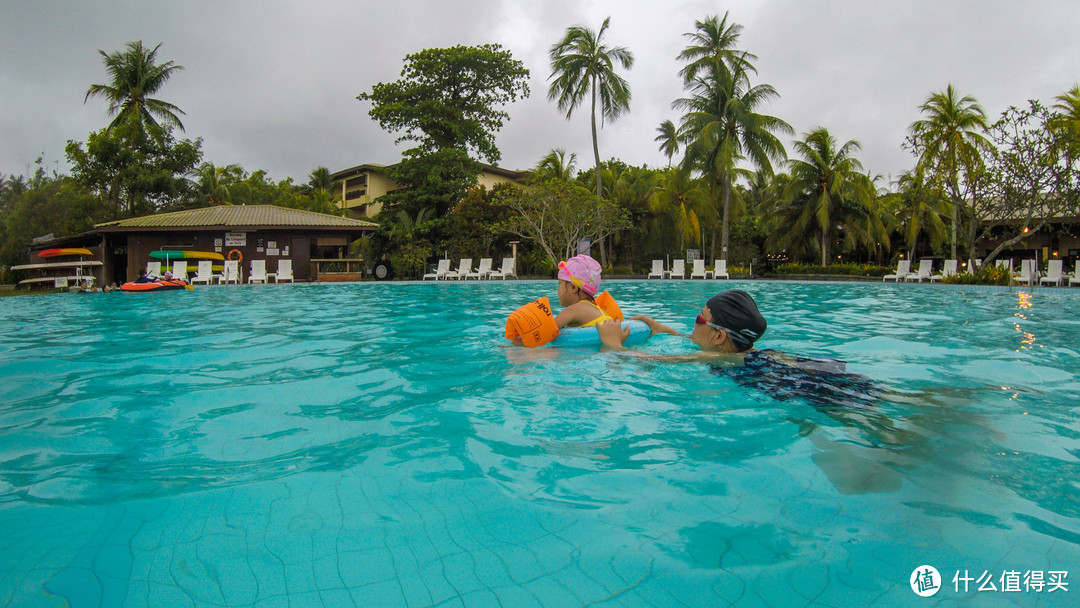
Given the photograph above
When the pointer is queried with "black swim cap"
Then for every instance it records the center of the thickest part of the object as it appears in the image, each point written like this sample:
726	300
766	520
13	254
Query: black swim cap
736	310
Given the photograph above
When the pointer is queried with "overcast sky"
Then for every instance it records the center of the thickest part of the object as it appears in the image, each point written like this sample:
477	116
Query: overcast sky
272	85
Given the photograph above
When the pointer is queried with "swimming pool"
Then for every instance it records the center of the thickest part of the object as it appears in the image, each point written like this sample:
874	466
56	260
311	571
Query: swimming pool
379	444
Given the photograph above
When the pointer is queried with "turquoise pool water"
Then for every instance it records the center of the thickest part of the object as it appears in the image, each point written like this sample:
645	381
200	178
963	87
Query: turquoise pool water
380	445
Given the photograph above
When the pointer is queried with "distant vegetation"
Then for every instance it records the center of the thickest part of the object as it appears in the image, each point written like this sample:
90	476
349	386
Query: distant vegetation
730	189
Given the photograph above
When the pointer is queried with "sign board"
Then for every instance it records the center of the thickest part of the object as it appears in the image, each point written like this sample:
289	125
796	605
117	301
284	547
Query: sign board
583	245
693	254
235	239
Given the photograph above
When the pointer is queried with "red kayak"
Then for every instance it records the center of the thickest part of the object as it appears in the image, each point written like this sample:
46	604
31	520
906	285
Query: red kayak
157	285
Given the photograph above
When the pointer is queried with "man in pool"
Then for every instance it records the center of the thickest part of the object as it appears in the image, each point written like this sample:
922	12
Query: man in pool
727	327
725	331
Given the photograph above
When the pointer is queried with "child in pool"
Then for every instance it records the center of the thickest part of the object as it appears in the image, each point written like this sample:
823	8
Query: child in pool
579	282
583	306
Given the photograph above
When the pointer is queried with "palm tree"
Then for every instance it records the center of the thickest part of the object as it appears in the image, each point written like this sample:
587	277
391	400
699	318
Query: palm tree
917	209
722	127
581	64
1066	122
134	77
682	199
319	179
216	184
833	193
950	139
556	165
669	139
712	47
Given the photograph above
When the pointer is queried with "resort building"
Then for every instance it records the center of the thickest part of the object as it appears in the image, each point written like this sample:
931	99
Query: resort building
317	244
362	185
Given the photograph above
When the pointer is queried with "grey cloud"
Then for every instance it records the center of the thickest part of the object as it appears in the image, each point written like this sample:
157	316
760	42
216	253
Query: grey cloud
273	85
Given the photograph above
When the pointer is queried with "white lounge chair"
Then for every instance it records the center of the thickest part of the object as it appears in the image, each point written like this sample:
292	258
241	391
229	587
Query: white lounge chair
1027	272
1053	272
903	268
1075	278
699	270
950	270
482	271
284	271
657	269
678	269
507	270
153	269
440	272
230	273
258	272
204	274
179	270
1006	264
924	271
720	269
464	268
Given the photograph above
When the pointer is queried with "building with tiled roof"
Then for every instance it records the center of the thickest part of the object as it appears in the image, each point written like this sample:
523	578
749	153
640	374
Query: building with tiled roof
313	241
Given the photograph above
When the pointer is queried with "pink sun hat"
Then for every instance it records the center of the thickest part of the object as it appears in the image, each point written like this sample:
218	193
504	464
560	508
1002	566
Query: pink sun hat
583	271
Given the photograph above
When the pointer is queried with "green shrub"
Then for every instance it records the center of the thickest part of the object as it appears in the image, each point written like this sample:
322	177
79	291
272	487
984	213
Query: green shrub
859	270
991	275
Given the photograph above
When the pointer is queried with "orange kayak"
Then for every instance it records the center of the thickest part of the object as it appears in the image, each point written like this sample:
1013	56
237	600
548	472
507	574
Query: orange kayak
52	253
158	285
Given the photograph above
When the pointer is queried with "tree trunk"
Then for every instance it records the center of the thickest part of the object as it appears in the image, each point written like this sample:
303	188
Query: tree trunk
824	248
724	227
599	179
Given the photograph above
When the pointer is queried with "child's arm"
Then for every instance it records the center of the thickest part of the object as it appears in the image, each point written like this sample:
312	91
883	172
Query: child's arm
576	314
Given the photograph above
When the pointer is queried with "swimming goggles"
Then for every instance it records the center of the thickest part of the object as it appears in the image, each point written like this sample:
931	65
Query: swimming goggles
736	336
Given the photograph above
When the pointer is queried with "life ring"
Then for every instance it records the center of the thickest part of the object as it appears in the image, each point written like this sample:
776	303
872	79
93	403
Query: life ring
588	336
239	256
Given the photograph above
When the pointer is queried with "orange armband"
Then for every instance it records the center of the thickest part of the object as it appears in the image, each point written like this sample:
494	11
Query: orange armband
533	323
608	305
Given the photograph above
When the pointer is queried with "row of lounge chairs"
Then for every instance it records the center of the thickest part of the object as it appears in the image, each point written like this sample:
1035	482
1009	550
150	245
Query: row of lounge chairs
925	271
230	272
1055	272
1028	274
465	271
678	270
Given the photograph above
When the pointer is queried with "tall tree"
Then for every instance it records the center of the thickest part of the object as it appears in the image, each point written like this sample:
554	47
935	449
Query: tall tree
557	214
215	184
582	65
319	179
833	193
668	136
135	75
948	143
712	47
1066	122
685	203
451	98
1027	181
556	165
722	127
916	209
137	169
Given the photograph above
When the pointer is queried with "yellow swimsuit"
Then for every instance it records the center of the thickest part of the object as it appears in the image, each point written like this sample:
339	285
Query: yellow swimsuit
598	320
